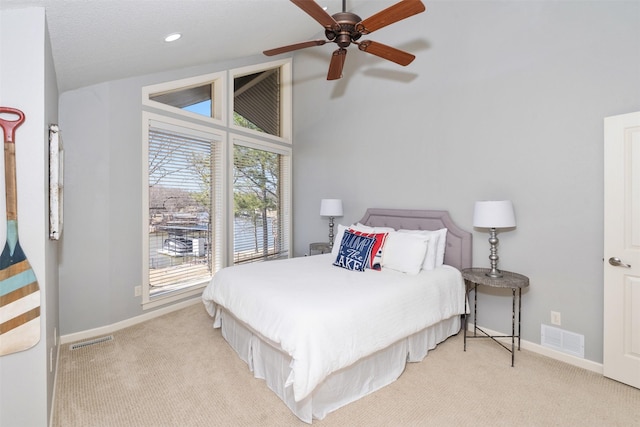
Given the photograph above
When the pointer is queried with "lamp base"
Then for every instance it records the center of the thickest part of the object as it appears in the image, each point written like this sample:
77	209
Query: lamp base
493	257
331	236
495	274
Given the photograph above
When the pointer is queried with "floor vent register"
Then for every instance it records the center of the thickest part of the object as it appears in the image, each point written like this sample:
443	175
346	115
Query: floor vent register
94	341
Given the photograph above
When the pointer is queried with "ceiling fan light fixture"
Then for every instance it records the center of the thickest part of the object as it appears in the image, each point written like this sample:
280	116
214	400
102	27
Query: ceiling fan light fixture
172	37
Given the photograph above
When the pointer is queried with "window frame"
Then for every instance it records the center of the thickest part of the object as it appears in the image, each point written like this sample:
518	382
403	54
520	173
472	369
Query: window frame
286	99
221	124
247	141
187	127
218	103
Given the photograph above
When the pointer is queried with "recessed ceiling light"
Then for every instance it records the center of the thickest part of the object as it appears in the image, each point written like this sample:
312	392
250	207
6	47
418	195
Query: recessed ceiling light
172	37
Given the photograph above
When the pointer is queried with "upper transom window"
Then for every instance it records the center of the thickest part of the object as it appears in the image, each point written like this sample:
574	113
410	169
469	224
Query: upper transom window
199	97
256	101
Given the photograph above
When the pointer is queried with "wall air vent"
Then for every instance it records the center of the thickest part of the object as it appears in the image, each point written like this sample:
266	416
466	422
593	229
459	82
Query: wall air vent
561	340
90	342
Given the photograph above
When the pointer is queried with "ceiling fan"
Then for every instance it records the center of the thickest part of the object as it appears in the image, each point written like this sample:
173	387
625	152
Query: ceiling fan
344	28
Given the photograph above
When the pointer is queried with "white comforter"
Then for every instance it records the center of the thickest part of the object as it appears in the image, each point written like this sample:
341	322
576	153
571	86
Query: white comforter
326	317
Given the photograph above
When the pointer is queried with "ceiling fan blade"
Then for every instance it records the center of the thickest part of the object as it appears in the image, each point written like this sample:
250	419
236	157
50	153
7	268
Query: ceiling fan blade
386	52
337	63
295	46
388	16
314	10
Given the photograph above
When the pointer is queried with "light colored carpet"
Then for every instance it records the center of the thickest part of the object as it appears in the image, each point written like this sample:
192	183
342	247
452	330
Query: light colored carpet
177	370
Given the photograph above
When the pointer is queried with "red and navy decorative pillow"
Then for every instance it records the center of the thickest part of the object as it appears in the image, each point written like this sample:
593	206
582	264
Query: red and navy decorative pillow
355	251
375	260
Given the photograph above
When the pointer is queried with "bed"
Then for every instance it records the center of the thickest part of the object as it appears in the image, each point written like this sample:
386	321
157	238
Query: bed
322	336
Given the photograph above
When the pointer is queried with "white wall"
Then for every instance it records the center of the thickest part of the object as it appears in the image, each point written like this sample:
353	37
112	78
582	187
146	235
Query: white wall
27	82
505	100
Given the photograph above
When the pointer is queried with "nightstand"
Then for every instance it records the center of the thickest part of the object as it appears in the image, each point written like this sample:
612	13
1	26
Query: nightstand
514	281
319	248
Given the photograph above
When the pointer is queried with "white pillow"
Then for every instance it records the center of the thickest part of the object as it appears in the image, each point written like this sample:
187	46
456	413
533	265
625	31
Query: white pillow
362	227
442	244
337	238
405	252
373	229
435	251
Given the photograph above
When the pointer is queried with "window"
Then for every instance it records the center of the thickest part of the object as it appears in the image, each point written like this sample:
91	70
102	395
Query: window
256	101
213	198
198	97
260	203
184	205
260	102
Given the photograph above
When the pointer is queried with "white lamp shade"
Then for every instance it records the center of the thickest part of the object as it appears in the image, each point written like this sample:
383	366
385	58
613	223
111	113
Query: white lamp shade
331	207
494	214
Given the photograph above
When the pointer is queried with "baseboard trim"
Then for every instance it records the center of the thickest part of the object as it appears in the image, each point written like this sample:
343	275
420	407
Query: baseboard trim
524	344
548	352
92	333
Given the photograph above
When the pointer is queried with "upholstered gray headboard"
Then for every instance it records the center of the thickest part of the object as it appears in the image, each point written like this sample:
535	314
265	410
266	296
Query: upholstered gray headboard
458	250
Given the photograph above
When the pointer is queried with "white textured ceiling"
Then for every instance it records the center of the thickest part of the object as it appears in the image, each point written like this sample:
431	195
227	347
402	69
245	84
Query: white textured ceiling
101	40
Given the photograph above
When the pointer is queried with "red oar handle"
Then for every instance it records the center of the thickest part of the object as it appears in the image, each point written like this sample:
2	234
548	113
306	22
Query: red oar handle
9	126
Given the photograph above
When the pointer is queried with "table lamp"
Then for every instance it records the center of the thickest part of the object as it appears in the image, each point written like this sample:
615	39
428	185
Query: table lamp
331	208
494	215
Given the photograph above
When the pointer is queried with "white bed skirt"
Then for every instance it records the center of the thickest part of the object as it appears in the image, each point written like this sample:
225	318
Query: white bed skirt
369	374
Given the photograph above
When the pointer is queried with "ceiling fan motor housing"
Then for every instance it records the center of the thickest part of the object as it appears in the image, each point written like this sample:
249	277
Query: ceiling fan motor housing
348	33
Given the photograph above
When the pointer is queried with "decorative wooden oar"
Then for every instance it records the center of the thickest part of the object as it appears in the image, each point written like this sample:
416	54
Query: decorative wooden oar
19	290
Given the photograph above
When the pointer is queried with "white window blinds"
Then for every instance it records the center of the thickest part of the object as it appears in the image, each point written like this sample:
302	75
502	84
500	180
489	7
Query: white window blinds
184	199
261	204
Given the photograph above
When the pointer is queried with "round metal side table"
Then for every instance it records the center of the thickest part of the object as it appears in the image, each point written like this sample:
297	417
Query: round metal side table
473	277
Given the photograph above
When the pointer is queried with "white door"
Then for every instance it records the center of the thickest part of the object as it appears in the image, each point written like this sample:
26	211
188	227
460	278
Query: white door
622	248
